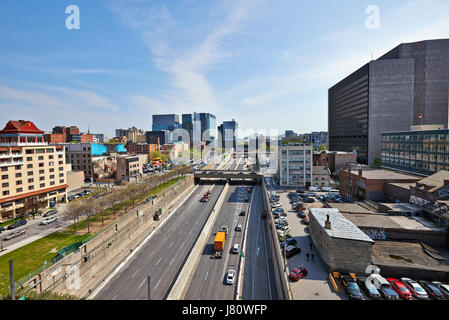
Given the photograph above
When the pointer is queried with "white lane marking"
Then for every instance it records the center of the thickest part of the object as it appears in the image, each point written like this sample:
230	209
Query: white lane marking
158	261
141	284
93	295
157	284
172	261
206	275
115	297
258	248
170	244
135	273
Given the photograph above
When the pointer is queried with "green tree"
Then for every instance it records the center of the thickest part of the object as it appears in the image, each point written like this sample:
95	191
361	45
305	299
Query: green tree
377	162
323	147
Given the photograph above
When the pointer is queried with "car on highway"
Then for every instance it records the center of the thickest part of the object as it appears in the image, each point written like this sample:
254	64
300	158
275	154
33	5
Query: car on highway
14	234
238	227
369	288
444	288
292	250
431	290
400	288
235	248
288	242
297	273
415	288
17	224
48	220
352	288
50	213
242	213
305	220
230	276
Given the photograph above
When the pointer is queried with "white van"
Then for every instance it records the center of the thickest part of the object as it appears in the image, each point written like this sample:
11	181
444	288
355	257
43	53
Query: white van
314	189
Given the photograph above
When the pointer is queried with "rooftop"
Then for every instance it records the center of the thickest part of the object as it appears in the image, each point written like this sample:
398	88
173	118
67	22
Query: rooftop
382	174
349	208
340	226
436	180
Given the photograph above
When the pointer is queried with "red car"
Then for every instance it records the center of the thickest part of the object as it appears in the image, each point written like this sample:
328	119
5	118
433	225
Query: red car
305	220
297	274
400	288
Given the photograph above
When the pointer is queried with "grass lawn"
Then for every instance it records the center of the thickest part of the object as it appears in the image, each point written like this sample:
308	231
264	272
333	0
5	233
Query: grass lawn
31	256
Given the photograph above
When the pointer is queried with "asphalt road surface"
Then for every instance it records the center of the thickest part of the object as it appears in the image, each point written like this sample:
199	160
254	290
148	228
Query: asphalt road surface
165	252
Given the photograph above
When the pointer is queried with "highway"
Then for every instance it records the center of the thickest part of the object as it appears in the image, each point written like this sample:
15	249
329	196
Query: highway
208	282
164	254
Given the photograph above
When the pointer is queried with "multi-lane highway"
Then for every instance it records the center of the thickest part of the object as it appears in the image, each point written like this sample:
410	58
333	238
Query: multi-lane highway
164	253
208	281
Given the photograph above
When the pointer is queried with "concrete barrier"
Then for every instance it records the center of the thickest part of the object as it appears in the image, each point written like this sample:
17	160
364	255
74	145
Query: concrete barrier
181	285
82	271
283	285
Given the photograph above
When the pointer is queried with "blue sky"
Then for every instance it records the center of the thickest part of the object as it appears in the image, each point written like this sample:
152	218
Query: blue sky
266	63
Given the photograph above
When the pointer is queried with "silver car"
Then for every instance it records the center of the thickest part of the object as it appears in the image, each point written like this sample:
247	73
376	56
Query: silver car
48	221
230	277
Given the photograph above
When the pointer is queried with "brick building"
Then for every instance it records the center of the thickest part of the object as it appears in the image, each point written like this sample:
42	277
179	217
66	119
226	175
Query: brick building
334	160
362	182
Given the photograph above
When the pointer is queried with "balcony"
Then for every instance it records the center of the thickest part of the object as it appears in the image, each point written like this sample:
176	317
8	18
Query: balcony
11	163
5	155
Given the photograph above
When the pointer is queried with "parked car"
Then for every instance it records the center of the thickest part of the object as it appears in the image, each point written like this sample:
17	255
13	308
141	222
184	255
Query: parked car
444	288
290	251
70	198
400	288
278	210
48	220
384	287
17	224
352	288
288	242
50	213
302	214
52	204
305	220
2	229
309	200
283	229
431	290
15	234
415	288
276	205
242	213
369	288
297	273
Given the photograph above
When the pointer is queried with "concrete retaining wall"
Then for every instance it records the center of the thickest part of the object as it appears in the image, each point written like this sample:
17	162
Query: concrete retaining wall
80	272
181	285
284	291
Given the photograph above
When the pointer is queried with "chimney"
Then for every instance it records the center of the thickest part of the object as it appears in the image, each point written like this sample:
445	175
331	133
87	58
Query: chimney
360	171
327	223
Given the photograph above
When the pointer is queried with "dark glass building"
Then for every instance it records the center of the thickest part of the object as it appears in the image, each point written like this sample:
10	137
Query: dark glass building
153	136
168	122
418	152
407	86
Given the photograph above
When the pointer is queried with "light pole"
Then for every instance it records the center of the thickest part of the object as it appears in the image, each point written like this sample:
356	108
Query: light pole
149	287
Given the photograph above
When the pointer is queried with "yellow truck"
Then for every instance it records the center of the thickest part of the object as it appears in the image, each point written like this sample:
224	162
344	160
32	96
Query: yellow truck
219	243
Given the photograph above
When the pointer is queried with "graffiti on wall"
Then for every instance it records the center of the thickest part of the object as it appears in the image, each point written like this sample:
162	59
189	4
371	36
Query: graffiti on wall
375	234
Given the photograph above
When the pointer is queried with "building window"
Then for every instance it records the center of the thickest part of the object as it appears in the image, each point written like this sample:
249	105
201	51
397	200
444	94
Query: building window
42	179
42	185
29	166
41	165
61	168
29	151
18	175
41	171
50	157
31	188
52	170
52	177
30	180
61	175
5	185
4	169
19	190
30	173
61	181
5	193
18	167
61	162
52	183
40	158
4	177
60	156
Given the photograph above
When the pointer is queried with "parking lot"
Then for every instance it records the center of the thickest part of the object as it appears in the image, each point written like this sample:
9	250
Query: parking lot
316	284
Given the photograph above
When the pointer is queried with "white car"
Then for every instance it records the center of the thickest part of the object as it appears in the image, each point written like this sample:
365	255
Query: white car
283	230
238	228
235	248
230	277
276	205
444	288
280	220
415	288
48	221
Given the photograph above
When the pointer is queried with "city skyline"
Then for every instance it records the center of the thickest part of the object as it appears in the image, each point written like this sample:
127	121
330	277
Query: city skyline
233	58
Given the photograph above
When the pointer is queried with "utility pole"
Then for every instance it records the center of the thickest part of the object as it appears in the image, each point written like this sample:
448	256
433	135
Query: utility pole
11	276
149	287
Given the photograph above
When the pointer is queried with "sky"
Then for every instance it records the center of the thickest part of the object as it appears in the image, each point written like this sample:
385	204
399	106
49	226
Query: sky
267	64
